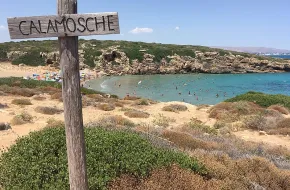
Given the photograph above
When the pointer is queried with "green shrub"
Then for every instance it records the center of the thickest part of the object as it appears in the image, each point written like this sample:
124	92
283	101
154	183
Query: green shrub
20	82
264	100
90	56
31	58
3	54
39	161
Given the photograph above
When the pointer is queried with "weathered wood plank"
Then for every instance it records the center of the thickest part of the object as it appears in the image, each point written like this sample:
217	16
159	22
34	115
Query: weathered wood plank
72	102
64	25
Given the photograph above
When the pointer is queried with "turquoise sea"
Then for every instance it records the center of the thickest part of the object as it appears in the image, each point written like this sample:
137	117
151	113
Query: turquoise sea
193	88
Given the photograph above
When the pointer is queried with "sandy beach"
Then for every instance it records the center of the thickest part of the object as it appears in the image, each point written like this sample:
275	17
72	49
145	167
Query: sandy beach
92	114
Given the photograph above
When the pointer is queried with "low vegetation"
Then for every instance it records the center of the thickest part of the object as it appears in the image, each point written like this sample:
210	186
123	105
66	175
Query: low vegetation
131	98
54	123
110	154
21	102
186	141
162	120
47	110
265	116
28	88
264	100
39	98
280	109
92	54
199	126
136	114
282	128
21	119
112	121
57	96
31	58
175	108
106	107
143	102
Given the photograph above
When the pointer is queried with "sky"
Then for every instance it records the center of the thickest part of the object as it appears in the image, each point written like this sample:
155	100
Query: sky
247	23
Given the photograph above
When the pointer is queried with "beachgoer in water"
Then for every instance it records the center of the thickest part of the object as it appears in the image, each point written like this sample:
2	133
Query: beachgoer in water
189	92
217	95
179	93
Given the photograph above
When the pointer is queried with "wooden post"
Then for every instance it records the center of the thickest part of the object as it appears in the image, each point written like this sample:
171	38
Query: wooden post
69	62
67	26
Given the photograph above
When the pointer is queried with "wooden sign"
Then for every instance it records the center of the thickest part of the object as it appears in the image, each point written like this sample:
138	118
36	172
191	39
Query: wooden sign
65	25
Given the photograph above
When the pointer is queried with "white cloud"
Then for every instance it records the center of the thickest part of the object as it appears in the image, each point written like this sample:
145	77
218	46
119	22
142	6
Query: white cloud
176	28
122	34
2	27
141	30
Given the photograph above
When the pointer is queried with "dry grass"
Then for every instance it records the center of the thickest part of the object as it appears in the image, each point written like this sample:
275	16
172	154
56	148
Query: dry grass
136	114
50	90
166	178
280	109
244	173
21	102
86	101
142	102
96	97
51	123
174	108
199	126
131	98
202	106
57	96
230	112
106	107
113	121
21	119
47	110
162	120
26	92
284	123
186	141
39	98
282	128
119	104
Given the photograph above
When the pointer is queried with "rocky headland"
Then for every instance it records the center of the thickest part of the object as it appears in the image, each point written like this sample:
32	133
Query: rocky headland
137	58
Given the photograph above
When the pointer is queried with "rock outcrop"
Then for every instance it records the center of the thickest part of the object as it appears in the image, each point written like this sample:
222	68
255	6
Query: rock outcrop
112	61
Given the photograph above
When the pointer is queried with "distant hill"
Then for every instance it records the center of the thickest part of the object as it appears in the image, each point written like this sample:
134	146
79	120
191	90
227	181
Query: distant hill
124	57
255	50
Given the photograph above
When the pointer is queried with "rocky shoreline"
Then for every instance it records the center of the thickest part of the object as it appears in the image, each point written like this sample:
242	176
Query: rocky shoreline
115	62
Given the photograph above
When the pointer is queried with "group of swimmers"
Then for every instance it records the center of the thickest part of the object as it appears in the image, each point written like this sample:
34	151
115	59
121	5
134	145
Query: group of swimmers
176	88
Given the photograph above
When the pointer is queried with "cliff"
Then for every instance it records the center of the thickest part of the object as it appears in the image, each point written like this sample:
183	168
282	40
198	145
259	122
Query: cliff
121	57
